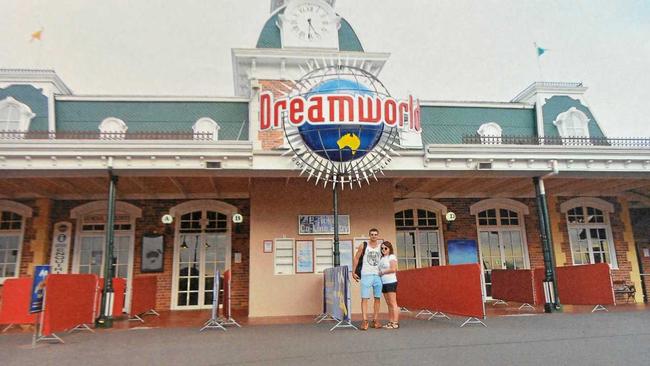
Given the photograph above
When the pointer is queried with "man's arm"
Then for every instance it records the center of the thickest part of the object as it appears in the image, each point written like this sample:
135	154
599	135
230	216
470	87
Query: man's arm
355	262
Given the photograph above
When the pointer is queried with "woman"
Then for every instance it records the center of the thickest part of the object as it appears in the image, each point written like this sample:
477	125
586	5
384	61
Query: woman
388	273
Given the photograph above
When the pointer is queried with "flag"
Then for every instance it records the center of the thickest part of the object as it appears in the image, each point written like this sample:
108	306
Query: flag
36	35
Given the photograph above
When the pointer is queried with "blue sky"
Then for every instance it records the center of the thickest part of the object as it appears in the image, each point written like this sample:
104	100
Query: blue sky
440	50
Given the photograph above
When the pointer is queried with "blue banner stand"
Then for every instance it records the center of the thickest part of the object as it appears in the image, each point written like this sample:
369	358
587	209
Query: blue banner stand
214	322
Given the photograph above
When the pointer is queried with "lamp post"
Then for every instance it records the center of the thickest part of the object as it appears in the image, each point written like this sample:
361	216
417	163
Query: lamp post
105	319
337	253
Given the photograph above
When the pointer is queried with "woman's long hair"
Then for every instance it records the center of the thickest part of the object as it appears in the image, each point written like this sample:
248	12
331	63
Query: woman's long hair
388	245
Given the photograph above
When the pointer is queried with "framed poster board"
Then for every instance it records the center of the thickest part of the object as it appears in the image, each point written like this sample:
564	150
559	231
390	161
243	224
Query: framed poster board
462	251
268	246
322	224
152	253
304	256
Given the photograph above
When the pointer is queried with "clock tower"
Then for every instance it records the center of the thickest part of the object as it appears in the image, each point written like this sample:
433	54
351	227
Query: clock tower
309	24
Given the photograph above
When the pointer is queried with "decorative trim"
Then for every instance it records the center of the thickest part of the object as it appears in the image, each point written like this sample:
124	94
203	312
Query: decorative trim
490	129
213	205
207	125
421	203
120	206
497	203
112	125
19	208
587	201
26	114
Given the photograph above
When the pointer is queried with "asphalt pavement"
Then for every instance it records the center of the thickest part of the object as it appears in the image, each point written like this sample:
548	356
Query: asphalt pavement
617	338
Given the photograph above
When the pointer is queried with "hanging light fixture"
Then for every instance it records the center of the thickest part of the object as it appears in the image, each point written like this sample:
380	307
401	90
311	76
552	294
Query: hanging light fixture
184	244
207	245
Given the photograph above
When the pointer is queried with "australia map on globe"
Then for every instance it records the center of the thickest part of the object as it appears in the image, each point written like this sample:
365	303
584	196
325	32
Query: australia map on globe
349	140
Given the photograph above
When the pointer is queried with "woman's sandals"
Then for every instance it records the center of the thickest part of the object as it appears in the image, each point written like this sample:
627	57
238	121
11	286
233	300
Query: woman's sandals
391	325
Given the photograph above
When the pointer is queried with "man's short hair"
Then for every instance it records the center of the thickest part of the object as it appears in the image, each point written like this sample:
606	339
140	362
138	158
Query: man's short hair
373	229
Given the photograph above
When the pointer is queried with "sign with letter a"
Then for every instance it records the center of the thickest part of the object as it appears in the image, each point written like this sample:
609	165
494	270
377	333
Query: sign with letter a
60	247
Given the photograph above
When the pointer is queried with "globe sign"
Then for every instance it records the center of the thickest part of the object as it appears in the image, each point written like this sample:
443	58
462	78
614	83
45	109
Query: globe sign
340	142
343	144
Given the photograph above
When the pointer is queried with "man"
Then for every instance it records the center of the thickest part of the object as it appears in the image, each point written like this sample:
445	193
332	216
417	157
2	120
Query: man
370	279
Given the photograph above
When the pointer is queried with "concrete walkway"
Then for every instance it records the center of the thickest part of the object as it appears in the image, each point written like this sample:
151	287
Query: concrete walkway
614	338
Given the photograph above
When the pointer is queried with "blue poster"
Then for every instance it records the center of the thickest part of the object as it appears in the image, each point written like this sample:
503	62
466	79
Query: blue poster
462	251
337	293
38	288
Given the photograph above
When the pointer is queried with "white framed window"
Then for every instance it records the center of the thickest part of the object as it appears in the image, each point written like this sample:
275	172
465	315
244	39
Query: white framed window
490	133
14	115
283	260
572	123
112	128
589	229
12	230
205	126
501	236
324	254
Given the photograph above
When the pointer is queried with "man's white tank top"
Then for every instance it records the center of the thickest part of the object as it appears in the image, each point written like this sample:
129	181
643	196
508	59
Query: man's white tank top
371	260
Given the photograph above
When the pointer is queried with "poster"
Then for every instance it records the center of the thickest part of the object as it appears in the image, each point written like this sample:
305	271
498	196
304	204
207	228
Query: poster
37	293
152	253
462	251
304	256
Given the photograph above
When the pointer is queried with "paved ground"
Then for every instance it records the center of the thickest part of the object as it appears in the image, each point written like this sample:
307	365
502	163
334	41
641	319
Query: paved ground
618	338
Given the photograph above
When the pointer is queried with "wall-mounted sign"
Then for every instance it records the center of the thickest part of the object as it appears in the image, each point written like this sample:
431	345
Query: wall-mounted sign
462	251
340	121
322	224
60	254
167	219
450	216
237	218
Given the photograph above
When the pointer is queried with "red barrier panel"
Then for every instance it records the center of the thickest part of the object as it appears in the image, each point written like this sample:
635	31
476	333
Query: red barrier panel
513	285
143	294
119	289
454	289
226	293
69	301
589	284
15	301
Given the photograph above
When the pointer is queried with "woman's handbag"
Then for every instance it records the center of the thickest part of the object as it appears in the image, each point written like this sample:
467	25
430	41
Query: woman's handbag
357	270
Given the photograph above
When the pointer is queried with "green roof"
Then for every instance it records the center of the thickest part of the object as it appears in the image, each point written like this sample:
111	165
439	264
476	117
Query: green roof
146	116
270	35
34	99
448	125
559	104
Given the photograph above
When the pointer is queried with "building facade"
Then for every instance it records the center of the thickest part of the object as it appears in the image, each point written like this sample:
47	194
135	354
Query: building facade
205	160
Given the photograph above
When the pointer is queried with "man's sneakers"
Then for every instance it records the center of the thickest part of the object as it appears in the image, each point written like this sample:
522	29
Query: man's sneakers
364	325
376	324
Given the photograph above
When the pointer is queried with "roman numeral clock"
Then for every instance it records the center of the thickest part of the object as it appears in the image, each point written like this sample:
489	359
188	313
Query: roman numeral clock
311	23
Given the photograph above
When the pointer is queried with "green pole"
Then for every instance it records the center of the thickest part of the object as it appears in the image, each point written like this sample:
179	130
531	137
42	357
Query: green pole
337	253
552	302
105	319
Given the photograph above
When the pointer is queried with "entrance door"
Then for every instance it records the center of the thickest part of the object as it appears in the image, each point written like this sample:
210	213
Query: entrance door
202	246
500	249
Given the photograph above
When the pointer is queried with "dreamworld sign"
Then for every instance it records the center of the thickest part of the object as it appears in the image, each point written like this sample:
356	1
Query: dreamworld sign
341	123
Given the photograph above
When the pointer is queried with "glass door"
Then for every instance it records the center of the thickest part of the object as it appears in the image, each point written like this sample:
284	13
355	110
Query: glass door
500	249
202	247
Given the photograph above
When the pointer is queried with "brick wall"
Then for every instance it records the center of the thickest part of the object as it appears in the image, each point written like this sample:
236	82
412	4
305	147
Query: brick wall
272	139
621	246
152	211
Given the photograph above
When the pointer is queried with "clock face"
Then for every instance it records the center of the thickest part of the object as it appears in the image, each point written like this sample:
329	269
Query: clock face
310	22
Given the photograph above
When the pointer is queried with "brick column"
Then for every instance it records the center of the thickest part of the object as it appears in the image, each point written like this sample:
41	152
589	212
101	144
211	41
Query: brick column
42	226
